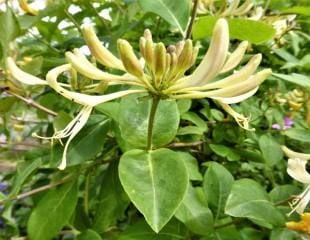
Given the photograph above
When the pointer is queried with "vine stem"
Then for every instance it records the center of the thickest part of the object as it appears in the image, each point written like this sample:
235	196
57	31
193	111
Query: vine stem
190	25
155	102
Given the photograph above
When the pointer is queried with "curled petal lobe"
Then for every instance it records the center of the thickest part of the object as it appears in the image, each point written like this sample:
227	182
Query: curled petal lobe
295	155
22	76
27	8
297	170
83	99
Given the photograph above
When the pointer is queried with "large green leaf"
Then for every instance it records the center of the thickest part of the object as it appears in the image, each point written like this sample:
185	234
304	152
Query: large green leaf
175	12
156	182
191	164
303	10
112	200
52	212
271	150
195	214
217	184
298	134
249	200
224	151
255	32
133	121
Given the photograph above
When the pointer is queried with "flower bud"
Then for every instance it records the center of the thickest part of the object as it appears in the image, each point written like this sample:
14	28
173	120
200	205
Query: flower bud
129	59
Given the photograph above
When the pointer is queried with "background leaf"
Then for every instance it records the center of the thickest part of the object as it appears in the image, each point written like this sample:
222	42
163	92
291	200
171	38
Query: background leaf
249	200
52	212
175	12
271	150
256	32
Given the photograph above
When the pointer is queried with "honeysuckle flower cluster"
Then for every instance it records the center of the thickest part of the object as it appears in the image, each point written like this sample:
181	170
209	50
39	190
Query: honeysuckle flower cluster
230	9
297	169
159	72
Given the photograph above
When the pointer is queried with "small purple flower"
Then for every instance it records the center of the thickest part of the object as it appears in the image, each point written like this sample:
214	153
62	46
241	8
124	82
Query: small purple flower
3	186
288	123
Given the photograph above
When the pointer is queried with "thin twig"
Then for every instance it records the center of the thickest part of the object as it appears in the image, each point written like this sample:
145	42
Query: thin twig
36	190
71	18
32	103
193	17
185	144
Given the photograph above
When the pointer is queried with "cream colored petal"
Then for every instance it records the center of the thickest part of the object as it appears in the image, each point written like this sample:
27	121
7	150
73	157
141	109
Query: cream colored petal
235	58
237	99
231	8
102	54
22	76
297	169
78	125
301	201
292	154
239	76
244	8
213	61
80	98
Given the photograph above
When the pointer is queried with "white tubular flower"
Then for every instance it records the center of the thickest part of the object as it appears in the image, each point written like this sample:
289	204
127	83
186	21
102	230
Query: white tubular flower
297	169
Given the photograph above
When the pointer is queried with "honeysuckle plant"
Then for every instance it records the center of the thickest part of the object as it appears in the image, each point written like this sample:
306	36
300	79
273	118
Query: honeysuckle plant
160	73
150	132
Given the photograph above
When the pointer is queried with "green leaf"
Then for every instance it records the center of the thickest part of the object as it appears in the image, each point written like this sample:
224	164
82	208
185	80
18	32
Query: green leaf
217	184
156	182
299	79
249	200
52	212
112	200
194	214
89	235
24	170
175	12
271	150
224	151
302	135
6	103
141	231
9	29
284	234
89	142
134	116
303	10
283	192
256	32
191	164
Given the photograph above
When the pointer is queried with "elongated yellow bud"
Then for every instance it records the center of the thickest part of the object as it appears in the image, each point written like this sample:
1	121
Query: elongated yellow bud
27	8
185	57
129	59
159	61
103	55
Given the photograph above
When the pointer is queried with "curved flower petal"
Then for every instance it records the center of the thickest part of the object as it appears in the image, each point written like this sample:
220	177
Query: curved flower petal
295	155
244	8
27	8
103	55
297	170
22	76
235	57
231	8
214	59
80	98
79	123
301	201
